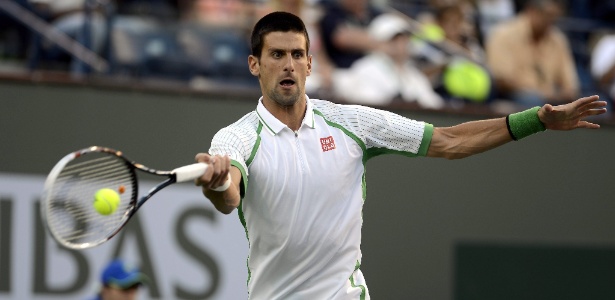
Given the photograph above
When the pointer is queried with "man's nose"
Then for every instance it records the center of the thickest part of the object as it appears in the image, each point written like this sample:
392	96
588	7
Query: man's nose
289	65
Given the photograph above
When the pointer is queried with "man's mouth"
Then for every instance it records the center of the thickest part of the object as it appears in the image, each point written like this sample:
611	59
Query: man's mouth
287	82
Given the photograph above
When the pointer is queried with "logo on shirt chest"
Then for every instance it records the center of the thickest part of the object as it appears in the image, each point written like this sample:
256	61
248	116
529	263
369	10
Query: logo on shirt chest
327	143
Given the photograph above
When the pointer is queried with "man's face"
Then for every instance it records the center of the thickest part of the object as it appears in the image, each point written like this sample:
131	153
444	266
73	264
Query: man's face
111	293
545	17
452	24
398	48
283	67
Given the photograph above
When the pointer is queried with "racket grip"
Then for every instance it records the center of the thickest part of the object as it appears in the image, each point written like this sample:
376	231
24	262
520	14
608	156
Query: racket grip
189	172
194	171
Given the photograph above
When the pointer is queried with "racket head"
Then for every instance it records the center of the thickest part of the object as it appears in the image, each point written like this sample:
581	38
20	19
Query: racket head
67	206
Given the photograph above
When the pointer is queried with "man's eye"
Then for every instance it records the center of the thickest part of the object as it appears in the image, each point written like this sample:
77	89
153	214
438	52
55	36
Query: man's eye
298	55
276	54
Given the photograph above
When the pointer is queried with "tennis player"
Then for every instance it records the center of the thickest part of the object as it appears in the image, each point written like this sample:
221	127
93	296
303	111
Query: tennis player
298	166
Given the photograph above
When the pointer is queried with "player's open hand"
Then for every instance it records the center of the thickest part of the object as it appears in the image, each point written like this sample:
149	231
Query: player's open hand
572	115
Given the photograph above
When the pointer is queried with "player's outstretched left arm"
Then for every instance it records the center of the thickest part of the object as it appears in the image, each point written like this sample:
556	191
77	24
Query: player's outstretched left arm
475	137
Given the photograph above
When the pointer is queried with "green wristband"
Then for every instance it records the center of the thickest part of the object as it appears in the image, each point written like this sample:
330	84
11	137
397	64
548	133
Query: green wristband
525	123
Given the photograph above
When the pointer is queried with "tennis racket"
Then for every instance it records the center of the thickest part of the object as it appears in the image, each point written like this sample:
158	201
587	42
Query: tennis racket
67	206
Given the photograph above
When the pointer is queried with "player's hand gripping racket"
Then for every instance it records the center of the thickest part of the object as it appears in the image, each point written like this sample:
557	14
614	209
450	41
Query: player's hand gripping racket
67	204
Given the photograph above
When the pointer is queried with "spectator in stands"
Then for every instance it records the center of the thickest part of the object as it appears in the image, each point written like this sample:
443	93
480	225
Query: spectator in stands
120	281
531	59
603	64
493	12
70	17
220	13
343	30
296	7
456	66
458	28
162	10
14	35
386	74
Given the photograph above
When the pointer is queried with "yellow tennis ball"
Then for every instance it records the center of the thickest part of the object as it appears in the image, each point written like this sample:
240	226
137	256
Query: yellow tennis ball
106	201
467	80
433	32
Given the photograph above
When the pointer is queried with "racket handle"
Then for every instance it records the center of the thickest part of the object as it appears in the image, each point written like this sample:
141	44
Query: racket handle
189	172
194	171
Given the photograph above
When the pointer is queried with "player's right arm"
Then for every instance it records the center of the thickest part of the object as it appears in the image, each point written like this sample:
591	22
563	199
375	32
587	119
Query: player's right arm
215	176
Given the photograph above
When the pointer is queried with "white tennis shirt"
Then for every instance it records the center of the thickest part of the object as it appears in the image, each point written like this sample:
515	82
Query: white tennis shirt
303	193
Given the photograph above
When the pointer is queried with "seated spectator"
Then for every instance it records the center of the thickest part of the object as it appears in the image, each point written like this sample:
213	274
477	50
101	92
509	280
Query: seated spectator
162	10
70	17
386	74
493	12
531	59
457	29
296	7
343	31
603	64
219	13
14	35
120	281
454	60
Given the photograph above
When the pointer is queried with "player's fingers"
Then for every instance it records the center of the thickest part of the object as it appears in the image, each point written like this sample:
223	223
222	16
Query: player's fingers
589	125
219	166
216	173
597	105
592	105
596	111
205	179
227	169
227	161
224	163
592	112
585	100
202	157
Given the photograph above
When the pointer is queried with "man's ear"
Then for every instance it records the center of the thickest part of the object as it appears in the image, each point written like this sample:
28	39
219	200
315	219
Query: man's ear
254	65
309	65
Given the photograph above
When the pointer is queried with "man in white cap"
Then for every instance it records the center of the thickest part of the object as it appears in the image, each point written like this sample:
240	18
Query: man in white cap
387	74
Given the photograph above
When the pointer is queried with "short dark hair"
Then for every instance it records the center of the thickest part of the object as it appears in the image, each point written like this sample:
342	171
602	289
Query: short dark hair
441	12
276	21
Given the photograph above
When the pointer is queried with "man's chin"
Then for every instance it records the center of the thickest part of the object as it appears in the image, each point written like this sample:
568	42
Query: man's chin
287	99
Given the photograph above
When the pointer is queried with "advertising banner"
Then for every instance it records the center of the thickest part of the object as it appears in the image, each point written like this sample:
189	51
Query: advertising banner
187	249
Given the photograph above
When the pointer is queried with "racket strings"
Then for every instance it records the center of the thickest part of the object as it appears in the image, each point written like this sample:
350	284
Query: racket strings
70	213
95	168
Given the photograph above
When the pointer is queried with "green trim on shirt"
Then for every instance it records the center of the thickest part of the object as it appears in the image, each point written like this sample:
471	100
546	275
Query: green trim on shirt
353	284
261	121
427	133
426	141
373	152
242	190
256	144
346	131
244	187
